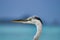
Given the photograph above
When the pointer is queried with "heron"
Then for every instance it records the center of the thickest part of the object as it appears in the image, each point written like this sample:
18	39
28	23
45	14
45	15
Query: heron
33	20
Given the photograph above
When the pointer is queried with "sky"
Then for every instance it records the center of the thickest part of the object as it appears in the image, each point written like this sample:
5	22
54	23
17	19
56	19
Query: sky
47	10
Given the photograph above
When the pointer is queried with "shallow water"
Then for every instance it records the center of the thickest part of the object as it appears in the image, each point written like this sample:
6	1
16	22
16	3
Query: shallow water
18	31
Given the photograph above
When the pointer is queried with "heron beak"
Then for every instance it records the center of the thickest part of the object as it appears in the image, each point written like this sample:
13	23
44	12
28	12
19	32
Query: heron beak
20	20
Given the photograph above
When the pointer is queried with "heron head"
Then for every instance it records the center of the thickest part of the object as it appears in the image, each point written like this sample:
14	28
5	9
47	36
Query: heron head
31	20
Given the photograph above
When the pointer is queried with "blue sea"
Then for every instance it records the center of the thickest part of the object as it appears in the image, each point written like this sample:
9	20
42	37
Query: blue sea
17	31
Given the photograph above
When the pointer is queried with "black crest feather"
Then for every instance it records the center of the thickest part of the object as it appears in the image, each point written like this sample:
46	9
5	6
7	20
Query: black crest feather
39	19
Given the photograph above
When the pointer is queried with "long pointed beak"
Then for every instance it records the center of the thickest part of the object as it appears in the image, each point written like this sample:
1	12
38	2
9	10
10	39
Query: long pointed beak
23	21
20	20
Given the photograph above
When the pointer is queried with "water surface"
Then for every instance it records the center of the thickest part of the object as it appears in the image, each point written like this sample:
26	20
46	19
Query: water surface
16	31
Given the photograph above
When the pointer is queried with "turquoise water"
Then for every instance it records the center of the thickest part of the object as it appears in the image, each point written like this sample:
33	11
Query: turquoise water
18	31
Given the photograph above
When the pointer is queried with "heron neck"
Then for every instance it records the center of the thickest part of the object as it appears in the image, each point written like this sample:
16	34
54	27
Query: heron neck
39	29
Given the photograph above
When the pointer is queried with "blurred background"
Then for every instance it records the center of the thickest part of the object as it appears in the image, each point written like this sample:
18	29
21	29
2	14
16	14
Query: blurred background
47	10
